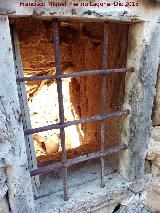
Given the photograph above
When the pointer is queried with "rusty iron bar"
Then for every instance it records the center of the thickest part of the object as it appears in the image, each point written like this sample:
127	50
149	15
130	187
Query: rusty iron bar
57	166
60	102
76	122
103	101
75	75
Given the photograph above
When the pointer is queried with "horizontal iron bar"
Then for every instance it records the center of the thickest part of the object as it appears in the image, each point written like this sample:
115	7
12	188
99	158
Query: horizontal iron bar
74	75
71	162
76	122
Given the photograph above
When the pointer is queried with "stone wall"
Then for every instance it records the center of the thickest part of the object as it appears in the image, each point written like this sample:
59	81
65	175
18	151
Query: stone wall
14	175
156	107
143	52
152	163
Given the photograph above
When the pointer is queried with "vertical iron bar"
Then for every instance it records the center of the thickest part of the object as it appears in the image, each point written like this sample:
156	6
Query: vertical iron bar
60	101
104	91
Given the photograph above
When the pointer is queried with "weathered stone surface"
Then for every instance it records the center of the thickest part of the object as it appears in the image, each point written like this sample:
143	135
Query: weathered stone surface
4	207
145	195
106	209
151	199
153	150
155	133
12	145
153	153
139	186
86	197
69	10
140	91
156	107
133	209
3	183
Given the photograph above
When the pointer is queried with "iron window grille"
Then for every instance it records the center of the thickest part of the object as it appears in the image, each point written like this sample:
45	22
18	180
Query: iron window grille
65	163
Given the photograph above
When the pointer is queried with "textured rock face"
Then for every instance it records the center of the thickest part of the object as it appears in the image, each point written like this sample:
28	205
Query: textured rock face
4	207
156	107
152	194
3	183
81	49
153	154
133	209
14	175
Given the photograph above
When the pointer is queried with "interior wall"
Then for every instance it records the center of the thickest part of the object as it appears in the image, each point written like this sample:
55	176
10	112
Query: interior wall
81	49
87	54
